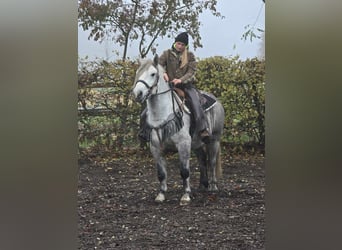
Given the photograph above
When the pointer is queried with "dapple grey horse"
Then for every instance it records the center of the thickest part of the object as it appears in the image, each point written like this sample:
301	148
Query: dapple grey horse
170	128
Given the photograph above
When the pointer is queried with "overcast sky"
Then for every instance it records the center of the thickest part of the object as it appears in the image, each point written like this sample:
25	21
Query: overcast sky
220	37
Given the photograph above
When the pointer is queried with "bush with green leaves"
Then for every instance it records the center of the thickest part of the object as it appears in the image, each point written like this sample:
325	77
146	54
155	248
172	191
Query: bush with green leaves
240	86
107	115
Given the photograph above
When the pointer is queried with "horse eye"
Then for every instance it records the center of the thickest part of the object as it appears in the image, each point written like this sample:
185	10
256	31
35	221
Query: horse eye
153	74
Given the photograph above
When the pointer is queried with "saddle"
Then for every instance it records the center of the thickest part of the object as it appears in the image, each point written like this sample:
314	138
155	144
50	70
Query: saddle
206	101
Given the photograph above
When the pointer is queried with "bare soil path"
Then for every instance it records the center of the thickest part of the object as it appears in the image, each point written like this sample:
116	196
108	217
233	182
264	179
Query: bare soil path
116	207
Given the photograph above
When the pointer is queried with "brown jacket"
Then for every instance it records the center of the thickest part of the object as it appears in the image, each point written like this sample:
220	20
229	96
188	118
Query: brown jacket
170	60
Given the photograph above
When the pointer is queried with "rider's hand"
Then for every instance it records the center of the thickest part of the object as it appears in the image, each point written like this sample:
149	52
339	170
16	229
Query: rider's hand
176	81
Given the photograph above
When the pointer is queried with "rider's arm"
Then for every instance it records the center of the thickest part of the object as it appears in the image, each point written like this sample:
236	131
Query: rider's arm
163	62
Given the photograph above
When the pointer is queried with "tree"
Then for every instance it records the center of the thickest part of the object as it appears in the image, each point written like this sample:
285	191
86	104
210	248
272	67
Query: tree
250	30
125	21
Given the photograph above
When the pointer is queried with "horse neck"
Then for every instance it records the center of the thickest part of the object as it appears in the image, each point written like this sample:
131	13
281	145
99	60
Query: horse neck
160	106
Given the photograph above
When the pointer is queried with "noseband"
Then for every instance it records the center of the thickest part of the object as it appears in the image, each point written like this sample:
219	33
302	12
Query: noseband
146	85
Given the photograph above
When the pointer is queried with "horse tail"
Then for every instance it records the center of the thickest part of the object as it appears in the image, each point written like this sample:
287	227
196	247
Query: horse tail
218	168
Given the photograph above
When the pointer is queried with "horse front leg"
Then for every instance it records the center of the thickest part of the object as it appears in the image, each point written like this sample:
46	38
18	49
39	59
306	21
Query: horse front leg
161	171
184	157
162	177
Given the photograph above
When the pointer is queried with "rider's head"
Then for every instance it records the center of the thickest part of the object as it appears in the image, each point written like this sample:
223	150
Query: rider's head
183	38
181	41
181	45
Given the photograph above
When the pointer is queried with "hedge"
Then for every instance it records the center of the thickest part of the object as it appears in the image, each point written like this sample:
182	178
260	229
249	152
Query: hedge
109	119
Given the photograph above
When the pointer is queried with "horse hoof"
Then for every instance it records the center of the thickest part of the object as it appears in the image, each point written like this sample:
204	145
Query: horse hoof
160	198
185	200
212	188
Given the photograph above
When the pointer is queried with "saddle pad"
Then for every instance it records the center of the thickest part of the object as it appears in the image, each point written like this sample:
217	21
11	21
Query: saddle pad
207	101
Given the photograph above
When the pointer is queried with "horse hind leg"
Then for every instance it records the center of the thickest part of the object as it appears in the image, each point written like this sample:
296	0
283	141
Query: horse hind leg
202	161
214	164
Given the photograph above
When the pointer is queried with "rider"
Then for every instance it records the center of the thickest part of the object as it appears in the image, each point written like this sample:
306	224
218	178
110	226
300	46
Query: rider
180	67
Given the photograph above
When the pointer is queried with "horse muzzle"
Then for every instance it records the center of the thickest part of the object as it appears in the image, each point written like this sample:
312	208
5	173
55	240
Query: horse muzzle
139	96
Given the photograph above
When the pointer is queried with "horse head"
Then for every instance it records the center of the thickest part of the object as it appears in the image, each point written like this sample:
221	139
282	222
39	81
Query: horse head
146	80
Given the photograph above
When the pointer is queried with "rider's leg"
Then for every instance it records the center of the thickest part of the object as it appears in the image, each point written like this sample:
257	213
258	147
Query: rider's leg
199	116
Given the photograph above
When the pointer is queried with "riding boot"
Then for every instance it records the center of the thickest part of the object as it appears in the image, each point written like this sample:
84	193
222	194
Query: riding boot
145	131
199	116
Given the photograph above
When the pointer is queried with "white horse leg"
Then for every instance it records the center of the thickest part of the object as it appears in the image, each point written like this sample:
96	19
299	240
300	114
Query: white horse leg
162	177
161	171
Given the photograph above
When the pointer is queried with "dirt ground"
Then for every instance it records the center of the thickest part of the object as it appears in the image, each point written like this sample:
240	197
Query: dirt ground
116	207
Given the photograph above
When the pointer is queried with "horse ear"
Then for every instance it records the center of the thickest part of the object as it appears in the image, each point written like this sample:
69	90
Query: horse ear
155	60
